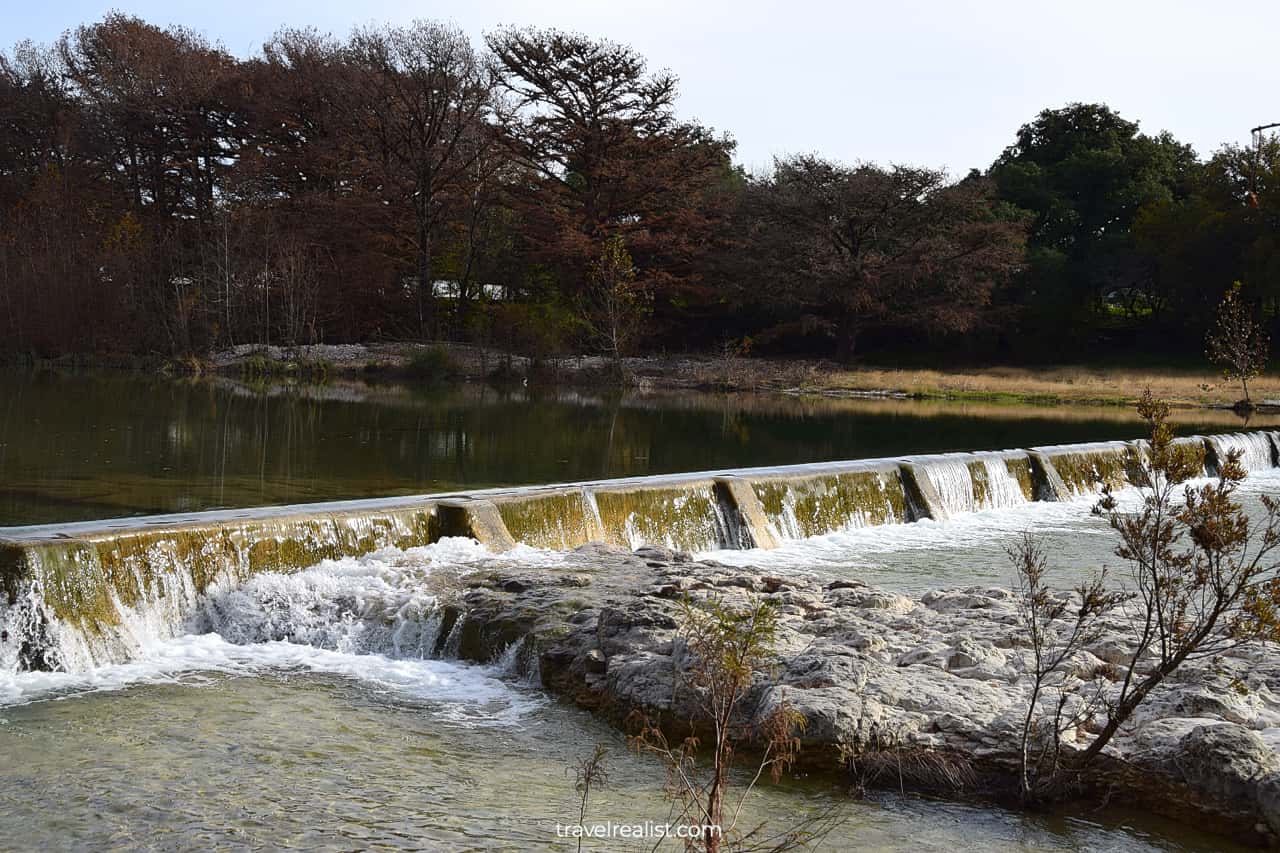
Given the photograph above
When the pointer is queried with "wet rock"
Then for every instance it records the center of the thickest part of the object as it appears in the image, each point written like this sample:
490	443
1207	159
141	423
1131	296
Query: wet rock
948	673
595	661
1226	759
843	584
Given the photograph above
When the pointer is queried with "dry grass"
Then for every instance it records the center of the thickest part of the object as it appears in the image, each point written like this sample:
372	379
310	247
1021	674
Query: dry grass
1188	419
1064	384
1116	386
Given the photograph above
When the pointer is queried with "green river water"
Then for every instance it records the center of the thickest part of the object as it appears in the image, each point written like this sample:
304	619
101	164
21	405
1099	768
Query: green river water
99	446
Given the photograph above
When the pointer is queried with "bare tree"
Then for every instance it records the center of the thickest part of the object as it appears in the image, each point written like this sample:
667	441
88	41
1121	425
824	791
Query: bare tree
1206	577
1237	343
1057	627
424	105
614	303
726	649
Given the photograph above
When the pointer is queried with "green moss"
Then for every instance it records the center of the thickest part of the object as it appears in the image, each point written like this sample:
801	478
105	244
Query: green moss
1084	471
1019	468
815	506
980	478
133	566
679	517
560	521
84	580
72	584
1017	399
12	568
260	368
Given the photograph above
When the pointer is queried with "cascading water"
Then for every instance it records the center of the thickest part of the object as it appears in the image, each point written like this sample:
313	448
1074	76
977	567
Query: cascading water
685	516
385	603
1255	448
1085	468
805	506
968	482
106	593
370	606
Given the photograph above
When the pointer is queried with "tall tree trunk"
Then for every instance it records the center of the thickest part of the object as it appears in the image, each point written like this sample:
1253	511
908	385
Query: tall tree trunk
846	342
426	285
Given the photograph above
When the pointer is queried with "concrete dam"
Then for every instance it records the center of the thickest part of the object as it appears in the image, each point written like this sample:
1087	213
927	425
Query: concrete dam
74	596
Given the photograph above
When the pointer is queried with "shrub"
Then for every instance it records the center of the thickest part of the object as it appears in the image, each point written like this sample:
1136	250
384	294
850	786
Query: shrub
432	366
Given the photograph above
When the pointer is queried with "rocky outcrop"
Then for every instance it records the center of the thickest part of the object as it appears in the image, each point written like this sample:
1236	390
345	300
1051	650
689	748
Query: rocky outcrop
944	676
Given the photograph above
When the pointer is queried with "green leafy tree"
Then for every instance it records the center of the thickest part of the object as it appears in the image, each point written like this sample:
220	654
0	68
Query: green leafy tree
1084	172
1227	229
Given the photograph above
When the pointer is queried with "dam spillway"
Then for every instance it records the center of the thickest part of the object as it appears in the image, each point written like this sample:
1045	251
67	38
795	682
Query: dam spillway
83	594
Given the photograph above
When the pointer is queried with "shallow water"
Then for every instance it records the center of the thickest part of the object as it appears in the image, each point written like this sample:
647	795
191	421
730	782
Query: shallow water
969	549
288	758
112	444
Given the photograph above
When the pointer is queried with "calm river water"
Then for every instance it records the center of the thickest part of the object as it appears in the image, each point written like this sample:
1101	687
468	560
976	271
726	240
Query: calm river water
98	446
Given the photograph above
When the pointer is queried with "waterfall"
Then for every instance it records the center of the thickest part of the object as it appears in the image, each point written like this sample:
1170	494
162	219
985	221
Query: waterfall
382	603
453	642
79	596
354	607
1255	448
685	516
968	482
549	519
1085	468
797	507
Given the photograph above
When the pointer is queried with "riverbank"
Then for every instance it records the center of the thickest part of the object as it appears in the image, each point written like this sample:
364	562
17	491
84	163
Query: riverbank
1059	385
1066	384
924	693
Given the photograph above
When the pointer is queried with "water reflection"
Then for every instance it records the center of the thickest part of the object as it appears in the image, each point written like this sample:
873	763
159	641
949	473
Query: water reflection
94	446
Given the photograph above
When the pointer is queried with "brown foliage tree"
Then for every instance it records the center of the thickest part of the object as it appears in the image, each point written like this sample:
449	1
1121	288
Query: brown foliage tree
867	247
1206	577
1203	578
423	109
160	128
606	156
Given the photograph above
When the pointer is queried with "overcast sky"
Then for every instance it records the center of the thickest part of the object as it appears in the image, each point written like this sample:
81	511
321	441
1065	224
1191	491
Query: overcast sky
934	83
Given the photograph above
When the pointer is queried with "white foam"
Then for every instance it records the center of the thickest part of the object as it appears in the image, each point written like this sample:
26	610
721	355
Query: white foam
859	546
370	618
1087	540
1254	448
468	693
865	547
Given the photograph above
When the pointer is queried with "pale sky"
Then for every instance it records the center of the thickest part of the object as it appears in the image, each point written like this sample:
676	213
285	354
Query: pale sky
943	84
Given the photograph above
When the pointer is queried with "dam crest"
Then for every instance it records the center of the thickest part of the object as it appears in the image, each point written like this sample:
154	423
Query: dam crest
73	596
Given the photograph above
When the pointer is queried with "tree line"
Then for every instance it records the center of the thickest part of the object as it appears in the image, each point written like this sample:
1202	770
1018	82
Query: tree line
539	193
